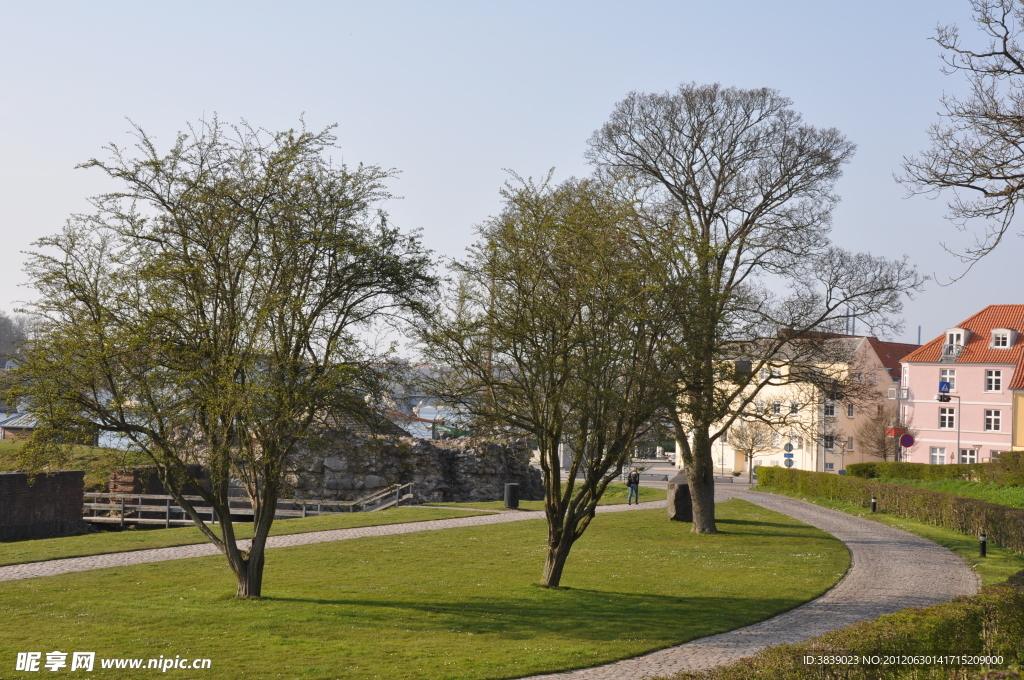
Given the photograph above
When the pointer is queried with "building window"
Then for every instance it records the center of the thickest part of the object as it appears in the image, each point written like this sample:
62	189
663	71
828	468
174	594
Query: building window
830	466
849	444
794	407
858	377
946	419
758	407
872	378
763	374
993	420
776	439
794	441
948	375
849	410
829	442
938	455
993	381
881	409
968	456
830	409
1000	339
776	407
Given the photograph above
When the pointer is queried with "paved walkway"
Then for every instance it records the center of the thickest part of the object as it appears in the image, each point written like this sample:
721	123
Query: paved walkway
890	570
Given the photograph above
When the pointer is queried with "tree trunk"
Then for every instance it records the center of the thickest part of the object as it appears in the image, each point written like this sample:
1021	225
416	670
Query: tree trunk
700	473
250	576
555	562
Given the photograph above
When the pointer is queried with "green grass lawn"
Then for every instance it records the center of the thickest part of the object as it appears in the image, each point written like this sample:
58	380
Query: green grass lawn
1012	496
37	550
996	567
460	603
615	494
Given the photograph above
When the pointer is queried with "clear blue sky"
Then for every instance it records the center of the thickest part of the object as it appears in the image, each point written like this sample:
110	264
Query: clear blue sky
452	93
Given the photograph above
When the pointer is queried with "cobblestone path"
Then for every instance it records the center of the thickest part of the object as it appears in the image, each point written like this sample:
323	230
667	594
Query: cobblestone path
890	570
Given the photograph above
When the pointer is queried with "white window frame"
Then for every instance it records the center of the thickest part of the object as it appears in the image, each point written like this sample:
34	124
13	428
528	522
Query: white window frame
794	407
850	411
776	407
828	442
948	375
1000	340
937	455
830	409
830	466
776	440
968	456
849	444
947	418
993	380
993	420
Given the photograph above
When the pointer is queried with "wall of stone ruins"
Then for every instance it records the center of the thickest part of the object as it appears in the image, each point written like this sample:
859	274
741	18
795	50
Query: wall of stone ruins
348	467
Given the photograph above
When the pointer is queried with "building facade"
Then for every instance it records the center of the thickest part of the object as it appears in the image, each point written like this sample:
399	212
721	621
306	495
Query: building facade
823	433
964	389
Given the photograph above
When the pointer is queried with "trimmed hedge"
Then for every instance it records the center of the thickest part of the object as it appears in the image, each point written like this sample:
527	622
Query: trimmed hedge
990	623
1004	526
1007	469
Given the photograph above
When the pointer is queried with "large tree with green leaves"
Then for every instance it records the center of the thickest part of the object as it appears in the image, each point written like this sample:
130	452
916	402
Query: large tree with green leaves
554	332
734	194
211	310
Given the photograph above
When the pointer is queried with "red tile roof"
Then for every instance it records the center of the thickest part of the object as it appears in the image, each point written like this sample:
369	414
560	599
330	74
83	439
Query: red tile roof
891	353
976	350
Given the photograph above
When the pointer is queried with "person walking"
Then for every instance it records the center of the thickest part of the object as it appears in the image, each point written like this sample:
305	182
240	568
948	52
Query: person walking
633	482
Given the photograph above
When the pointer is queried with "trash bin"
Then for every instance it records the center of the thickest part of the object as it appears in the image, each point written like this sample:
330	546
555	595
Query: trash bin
511	496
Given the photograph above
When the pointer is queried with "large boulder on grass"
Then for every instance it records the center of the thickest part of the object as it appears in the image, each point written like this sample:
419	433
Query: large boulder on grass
679	507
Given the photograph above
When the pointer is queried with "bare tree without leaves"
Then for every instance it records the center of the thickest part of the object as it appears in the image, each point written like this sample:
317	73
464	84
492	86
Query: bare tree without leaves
977	149
210	311
753	438
734	195
552	333
874	437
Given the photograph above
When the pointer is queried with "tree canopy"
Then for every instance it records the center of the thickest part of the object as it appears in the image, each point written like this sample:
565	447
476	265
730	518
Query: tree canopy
212	311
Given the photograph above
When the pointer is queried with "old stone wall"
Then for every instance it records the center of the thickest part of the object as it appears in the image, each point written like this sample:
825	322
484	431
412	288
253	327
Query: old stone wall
348	467
50	506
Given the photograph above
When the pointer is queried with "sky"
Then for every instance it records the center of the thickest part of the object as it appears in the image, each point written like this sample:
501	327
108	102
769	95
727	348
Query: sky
455	94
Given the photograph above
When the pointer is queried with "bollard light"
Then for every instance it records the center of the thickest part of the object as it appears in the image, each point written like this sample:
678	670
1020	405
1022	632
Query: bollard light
982	544
874	504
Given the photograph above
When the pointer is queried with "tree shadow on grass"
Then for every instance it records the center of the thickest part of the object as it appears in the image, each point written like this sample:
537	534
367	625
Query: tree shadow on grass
582	614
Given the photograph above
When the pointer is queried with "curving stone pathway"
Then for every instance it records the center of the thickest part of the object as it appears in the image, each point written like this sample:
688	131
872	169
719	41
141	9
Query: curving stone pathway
890	570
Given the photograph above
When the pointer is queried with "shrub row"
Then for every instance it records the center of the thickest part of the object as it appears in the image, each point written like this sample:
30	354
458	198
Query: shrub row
990	623
1004	525
1007	469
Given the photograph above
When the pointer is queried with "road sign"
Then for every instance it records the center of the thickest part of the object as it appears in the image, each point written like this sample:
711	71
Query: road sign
789	462
895	431
787	448
787	455
944	387
907	440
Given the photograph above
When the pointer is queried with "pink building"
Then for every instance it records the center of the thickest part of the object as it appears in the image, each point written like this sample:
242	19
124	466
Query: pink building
980	360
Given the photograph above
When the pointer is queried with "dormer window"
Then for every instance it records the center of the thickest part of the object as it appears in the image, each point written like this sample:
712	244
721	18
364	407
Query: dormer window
1002	338
955	339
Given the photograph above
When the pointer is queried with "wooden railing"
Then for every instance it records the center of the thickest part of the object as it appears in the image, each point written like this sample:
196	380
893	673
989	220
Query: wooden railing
133	508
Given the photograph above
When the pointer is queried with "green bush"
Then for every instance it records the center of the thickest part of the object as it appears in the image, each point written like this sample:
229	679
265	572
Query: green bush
1004	526
988	624
1007	469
